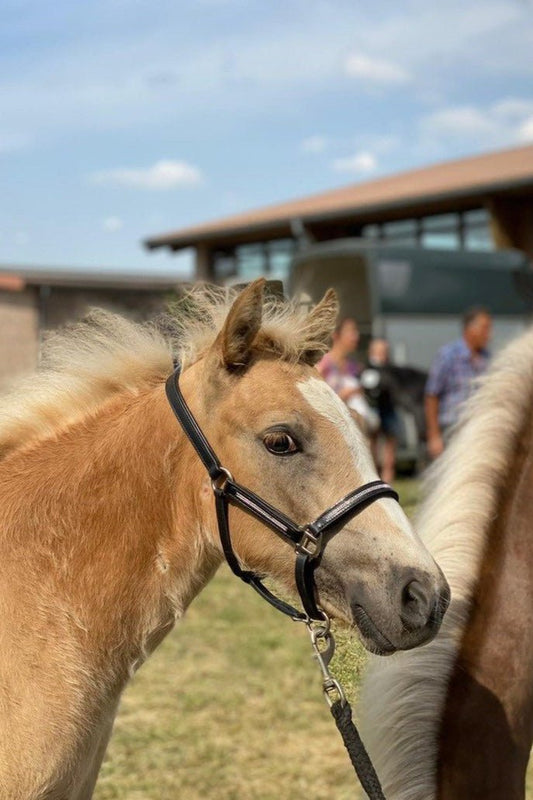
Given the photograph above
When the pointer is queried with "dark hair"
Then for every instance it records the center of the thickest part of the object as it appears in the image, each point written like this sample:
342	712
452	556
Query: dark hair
341	322
473	313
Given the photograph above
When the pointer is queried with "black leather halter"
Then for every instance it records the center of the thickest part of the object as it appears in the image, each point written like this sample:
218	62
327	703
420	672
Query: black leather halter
307	540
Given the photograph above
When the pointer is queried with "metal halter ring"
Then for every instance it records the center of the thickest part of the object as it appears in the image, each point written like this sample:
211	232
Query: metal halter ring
218	484
310	544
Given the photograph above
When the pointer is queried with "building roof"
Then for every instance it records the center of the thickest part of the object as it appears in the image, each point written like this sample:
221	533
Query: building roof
464	183
15	277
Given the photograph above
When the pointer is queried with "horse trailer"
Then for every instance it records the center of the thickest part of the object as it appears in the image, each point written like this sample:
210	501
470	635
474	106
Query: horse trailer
414	298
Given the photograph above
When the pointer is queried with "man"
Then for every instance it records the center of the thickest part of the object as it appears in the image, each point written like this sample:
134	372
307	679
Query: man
452	374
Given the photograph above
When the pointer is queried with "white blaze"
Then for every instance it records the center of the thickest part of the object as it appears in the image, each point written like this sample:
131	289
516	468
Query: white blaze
325	402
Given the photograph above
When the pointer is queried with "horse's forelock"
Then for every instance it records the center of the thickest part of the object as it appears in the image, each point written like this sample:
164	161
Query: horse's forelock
288	331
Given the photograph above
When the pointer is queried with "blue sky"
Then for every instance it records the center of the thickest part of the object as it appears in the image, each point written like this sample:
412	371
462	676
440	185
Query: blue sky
125	118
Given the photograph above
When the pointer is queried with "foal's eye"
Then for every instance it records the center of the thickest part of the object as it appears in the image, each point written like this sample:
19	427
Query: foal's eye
280	443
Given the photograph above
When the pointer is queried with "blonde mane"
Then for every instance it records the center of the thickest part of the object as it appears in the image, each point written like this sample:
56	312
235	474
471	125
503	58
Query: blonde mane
403	697
87	363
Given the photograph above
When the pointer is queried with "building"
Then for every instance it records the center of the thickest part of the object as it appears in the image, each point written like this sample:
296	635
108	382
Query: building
33	301
480	203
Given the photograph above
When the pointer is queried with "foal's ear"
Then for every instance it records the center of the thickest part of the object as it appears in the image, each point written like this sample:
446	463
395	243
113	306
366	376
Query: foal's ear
242	326
318	327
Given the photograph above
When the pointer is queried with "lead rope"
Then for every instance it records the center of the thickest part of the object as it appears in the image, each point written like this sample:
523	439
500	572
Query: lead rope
323	645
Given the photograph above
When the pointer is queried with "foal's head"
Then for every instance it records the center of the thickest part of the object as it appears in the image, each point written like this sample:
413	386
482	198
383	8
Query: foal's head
282	432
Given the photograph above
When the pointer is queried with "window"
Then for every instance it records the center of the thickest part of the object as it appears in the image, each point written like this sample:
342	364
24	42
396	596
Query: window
224	265
441	231
280	254
404	231
252	261
477	234
469	230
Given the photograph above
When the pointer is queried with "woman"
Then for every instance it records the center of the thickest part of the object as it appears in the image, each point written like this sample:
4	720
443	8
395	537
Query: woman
342	373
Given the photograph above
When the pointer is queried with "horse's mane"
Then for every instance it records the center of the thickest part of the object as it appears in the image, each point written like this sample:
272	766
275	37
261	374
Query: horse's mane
403	697
105	354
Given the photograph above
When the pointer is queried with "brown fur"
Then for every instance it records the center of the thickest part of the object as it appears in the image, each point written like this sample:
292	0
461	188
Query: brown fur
486	732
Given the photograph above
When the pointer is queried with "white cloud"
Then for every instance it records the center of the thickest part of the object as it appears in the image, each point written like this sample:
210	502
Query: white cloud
163	175
375	71
525	131
314	144
513	107
460	121
141	74
112	224
362	162
505	122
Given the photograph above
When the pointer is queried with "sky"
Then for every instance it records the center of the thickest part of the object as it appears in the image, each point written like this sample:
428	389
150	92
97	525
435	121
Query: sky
121	119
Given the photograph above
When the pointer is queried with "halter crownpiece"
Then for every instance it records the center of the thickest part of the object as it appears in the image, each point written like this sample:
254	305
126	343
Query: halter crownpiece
308	541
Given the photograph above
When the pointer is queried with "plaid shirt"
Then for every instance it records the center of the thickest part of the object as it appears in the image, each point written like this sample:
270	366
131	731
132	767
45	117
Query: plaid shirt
451	378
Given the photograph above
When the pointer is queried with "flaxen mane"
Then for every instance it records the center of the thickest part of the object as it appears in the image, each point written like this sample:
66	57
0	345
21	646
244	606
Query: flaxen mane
403	697
105	354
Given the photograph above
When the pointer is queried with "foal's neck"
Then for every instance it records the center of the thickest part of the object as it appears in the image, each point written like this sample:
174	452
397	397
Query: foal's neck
101	551
118	506
154	511
487	729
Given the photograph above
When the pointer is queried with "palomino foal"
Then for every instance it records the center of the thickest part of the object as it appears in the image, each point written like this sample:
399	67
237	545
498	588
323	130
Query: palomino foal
107	526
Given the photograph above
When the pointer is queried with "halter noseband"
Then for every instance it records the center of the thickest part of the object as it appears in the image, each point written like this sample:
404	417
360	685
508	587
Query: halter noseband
308	540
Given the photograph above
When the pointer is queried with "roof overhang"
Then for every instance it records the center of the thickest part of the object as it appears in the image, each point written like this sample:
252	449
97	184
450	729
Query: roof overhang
463	184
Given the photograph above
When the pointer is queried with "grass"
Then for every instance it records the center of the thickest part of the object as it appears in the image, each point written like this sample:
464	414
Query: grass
230	707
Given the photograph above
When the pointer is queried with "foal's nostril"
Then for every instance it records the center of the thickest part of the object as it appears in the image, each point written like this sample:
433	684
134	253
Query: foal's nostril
417	605
414	593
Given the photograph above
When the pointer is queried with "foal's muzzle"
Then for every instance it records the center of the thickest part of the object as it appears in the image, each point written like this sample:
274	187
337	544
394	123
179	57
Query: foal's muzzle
417	613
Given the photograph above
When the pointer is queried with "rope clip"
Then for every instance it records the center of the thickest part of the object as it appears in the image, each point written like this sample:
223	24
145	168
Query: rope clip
323	645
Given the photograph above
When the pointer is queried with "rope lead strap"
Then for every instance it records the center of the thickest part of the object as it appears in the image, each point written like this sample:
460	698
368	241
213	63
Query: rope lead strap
342	714
323	644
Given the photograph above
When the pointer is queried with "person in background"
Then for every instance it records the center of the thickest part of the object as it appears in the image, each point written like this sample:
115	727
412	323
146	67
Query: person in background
452	374
340	369
379	389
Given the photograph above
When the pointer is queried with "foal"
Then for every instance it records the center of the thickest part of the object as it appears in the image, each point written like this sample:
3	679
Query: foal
107	525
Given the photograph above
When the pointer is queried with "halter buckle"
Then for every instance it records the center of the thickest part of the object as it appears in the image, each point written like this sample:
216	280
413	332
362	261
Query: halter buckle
218	484
309	545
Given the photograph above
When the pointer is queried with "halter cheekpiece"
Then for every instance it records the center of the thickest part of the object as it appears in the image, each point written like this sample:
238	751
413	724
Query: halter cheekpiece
308	540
